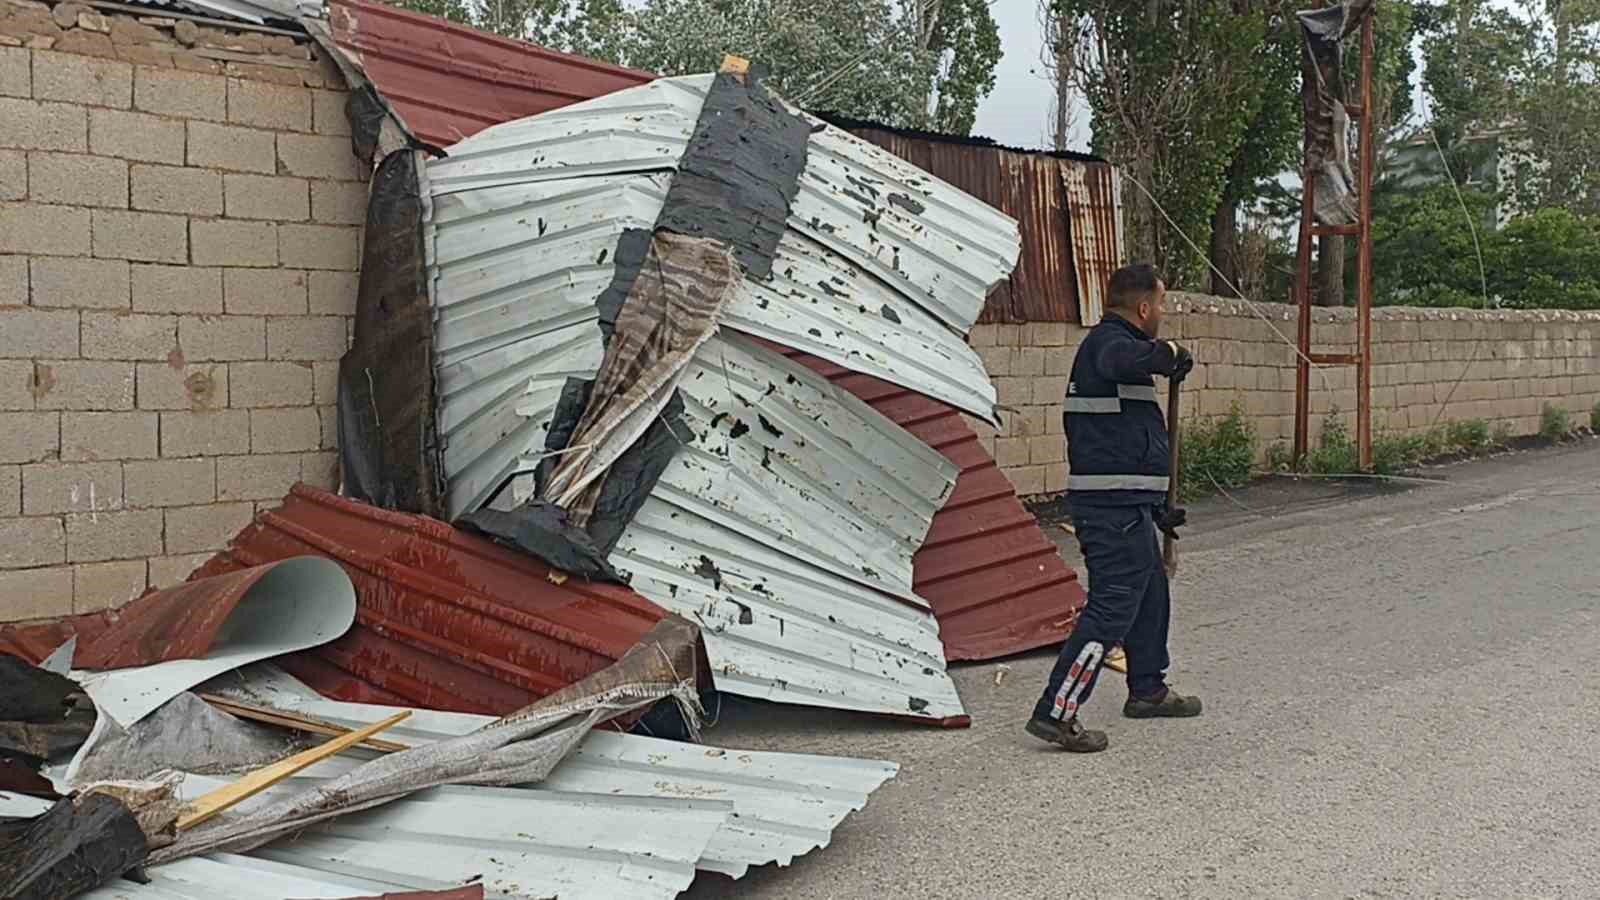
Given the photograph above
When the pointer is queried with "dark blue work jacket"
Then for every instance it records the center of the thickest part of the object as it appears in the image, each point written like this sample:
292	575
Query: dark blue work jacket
1116	435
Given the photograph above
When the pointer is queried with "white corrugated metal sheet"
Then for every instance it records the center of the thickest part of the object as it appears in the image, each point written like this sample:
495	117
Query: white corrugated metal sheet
784	804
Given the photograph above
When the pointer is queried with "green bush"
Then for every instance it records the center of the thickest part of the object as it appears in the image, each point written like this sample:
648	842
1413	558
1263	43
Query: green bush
1469	436
1555	422
1336	452
1594	418
1502	434
1219	452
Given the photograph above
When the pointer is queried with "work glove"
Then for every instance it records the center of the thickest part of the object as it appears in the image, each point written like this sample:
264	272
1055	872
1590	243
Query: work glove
1183	361
1169	520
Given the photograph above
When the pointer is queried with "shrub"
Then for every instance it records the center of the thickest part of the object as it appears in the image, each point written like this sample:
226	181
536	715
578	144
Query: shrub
1219	452
1470	436
1336	452
1594	418
1555	422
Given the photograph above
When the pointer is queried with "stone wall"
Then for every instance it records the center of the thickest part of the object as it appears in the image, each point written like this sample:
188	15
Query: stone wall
1430	365
180	219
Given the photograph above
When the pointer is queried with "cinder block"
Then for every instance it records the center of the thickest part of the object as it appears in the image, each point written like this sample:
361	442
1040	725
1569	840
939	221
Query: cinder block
243	244
108	435
320	470
77	180
265	292
224	432
70	78
195	529
328	113
177	189
128	534
1028	480
43	230
1055	478
26	333
334	293
315	156
10	491
259	477
270	106
1011	452
339	202
17	384
1049	390
268	197
80	283
319	247
133	336
191	387
222	338
32	542
140	236
176	289
330	426
27	437
169	482
1027	362
232	148
13	175
307	338
1045	450
72	384
166	571
36	593
270	384
31	125
135	136
285	430
16	76
325	382
182	95
107	585
13	281
90	488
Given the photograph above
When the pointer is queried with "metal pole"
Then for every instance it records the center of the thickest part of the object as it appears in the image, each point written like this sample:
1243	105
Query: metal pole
1364	253
1302	291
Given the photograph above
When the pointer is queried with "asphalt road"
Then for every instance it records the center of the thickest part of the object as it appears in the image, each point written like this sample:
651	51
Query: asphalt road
1402	700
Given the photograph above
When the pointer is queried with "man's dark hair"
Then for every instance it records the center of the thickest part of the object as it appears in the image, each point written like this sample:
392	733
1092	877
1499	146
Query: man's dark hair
1130	285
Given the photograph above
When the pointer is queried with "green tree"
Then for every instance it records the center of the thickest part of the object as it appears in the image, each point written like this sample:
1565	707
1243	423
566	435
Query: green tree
910	63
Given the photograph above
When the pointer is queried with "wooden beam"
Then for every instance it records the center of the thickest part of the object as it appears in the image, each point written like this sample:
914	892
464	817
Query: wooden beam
224	798
736	66
295	721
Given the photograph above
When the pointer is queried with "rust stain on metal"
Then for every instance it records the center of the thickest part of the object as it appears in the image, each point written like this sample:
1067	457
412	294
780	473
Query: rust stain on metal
180	622
1094	200
993	579
448	82
444	619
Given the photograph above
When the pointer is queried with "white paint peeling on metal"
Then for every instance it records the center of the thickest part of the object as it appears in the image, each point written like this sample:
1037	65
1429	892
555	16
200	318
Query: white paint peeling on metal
784	804
1094	208
255	11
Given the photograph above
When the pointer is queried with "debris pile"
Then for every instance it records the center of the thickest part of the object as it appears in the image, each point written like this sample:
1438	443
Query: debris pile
686	368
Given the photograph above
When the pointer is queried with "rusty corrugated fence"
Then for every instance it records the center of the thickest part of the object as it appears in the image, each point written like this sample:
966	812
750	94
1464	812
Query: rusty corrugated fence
1067	205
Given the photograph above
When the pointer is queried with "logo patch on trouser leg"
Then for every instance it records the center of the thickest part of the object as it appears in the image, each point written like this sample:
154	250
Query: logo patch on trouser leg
1078	679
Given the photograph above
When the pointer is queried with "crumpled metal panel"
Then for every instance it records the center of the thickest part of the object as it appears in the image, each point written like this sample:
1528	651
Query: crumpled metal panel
515	271
449	81
444	619
994	581
784	804
1094	196
941	248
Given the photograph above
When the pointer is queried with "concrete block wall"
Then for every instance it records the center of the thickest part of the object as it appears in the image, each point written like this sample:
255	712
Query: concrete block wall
180	215
1430	365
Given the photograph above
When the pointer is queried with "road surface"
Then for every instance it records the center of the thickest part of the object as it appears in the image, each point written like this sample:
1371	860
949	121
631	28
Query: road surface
1402	700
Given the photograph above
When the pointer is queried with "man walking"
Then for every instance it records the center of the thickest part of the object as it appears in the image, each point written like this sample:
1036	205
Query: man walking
1117	450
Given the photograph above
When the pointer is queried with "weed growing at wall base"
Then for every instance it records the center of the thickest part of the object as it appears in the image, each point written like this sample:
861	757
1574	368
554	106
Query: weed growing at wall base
1555	423
1218	452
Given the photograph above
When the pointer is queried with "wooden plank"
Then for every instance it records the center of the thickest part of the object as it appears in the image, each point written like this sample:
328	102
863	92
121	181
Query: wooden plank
223	798
736	65
296	721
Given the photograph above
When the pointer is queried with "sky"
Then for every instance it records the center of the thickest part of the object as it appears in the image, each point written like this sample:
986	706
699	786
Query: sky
1017	112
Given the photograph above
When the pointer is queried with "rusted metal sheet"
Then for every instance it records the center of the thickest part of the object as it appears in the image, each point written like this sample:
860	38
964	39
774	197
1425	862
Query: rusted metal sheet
444	619
1094	200
1034	187
181	622
448	81
994	581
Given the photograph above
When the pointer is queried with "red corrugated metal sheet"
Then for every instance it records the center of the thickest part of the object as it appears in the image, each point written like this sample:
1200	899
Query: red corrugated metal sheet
449	81
1094	195
993	579
174	623
444	619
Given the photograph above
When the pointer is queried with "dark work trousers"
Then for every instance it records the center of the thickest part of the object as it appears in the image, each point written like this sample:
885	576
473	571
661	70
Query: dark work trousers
1128	604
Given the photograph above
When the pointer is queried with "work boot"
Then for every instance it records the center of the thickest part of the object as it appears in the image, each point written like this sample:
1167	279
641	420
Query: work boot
1070	735
1169	705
